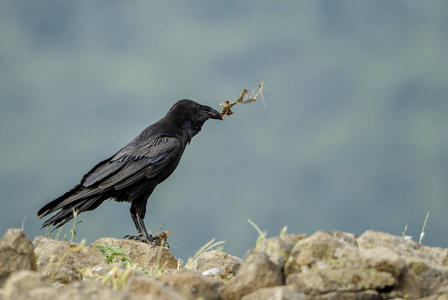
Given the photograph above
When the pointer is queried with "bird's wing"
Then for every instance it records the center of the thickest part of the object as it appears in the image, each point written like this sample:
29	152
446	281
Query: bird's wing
132	164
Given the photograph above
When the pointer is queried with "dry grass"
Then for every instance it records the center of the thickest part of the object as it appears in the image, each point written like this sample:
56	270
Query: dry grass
247	96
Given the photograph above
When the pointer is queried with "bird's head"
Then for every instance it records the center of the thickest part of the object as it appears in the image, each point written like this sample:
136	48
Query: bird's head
193	111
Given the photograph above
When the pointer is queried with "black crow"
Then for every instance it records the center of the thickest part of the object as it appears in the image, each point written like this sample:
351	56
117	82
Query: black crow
133	172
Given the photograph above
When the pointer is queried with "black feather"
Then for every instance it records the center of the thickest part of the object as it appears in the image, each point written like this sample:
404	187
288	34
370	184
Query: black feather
133	172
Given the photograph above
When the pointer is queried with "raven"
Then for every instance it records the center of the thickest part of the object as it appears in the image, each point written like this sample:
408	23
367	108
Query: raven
134	171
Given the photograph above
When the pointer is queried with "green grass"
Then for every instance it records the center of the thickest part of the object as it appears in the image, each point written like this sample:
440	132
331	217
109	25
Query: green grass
23	223
72	231
261	234
115	255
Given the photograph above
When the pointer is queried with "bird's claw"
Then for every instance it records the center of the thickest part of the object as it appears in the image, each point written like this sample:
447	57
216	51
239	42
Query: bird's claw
154	241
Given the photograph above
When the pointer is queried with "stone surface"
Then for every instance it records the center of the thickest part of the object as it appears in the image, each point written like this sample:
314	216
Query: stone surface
143	254
276	293
324	266
278	249
331	261
262	266
360	295
20	283
426	267
82	290
64	262
256	272
227	264
191	285
340	262
28	285
151	289
16	253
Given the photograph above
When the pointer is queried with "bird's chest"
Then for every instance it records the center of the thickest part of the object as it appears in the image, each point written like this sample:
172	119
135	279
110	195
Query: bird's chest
170	167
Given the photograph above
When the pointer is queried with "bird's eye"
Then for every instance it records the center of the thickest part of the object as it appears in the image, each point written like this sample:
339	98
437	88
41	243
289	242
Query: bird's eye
197	107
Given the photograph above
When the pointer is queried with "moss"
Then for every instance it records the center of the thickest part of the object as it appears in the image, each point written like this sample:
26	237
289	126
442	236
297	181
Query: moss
418	267
284	253
386	266
356	278
322	251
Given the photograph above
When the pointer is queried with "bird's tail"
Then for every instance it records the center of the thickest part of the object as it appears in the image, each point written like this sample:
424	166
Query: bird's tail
73	202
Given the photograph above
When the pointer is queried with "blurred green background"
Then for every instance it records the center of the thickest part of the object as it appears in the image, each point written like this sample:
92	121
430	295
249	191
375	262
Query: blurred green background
353	135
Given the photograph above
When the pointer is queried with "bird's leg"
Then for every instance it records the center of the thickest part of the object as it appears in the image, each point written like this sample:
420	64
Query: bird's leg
150	238
141	236
137	224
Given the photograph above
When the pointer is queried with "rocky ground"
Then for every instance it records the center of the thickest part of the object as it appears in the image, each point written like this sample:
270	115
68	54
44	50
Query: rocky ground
325	265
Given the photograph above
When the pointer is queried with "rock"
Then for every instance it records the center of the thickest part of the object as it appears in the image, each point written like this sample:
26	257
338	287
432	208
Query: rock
278	249
324	266
82	290
276	293
117	276
436	297
20	283
256	272
361	295
145	255
16	254
442	288
262	266
30	285
190	284
61	274
427	267
64	262
331	261
227	264
150	288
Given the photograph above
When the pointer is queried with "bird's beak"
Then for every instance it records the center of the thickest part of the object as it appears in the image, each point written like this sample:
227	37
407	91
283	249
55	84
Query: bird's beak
212	114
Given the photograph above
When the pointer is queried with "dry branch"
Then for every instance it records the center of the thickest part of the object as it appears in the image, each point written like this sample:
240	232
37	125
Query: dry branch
160	239
247	96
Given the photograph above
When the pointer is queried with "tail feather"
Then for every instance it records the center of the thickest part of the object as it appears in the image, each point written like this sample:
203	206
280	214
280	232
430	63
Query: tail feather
62	217
71	198
67	212
51	207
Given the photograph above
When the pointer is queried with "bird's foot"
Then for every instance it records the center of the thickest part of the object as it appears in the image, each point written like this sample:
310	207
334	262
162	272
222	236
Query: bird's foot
139	237
154	241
